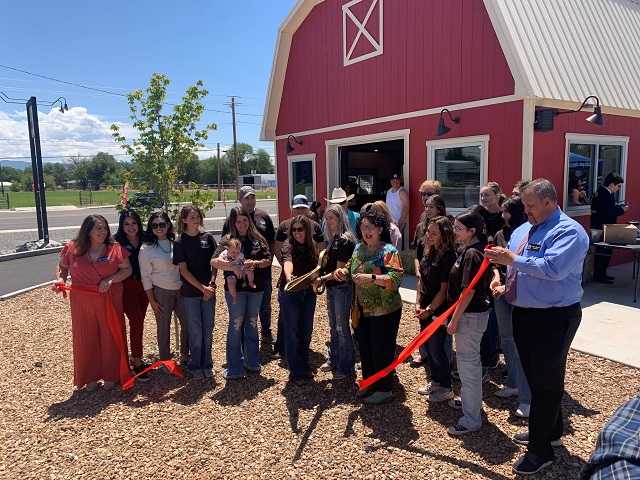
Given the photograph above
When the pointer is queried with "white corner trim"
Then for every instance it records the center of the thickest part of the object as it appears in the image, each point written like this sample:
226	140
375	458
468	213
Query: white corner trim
348	16
528	118
405	116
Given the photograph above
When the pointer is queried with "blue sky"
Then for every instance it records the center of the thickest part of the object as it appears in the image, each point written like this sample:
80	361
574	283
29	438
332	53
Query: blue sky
117	45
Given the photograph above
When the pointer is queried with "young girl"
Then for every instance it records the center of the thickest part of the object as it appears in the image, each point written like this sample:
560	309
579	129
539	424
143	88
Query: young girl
234	256
129	235
469	321
192	253
161	282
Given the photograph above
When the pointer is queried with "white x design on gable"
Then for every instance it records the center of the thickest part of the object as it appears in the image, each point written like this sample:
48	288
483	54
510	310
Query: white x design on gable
363	30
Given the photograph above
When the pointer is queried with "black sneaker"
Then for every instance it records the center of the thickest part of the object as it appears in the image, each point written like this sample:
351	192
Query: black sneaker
267	338
140	368
531	463
522	438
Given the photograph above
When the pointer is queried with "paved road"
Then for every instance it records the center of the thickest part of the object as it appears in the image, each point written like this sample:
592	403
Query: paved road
25	272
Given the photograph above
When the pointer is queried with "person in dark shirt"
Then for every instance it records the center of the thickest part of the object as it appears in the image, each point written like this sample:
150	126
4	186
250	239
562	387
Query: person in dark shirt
431	300
129	235
192	253
299	257
604	210
264	225
242	335
340	245
469	320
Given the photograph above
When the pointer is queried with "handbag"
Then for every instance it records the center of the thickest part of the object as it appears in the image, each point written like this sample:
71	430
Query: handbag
356	312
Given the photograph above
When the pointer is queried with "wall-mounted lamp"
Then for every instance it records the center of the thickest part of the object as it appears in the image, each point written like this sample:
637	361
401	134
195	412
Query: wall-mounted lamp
545	117
63	104
290	147
442	127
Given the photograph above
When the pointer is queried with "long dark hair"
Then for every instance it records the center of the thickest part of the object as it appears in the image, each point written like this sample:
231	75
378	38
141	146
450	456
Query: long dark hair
473	219
376	216
120	236
184	213
514	207
252	231
308	240
82	242
150	237
446	234
438	202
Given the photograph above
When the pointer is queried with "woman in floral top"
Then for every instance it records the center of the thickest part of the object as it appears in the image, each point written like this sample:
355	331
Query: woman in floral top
376	270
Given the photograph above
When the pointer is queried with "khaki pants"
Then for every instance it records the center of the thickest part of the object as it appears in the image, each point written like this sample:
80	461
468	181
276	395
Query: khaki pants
170	301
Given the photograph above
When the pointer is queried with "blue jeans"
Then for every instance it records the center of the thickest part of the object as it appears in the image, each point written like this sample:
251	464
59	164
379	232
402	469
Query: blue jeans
339	305
438	356
199	316
515	373
265	307
489	347
242	334
471	327
297	310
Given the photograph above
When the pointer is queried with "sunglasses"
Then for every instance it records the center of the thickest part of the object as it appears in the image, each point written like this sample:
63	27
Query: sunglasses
427	194
158	225
297	229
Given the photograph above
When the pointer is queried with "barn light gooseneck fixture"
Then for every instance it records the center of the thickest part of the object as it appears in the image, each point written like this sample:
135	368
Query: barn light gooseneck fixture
290	147
544	117
442	126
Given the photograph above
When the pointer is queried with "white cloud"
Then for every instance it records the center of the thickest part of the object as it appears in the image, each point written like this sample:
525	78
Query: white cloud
73	132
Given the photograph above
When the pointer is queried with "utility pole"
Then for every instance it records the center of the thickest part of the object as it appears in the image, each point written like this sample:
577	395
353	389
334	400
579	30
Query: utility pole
219	181
235	145
36	165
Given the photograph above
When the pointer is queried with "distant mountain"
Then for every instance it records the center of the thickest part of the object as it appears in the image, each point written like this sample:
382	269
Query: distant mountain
17	164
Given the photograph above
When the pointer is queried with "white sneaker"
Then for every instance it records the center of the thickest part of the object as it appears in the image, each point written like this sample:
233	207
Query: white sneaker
506	392
429	388
523	410
440	395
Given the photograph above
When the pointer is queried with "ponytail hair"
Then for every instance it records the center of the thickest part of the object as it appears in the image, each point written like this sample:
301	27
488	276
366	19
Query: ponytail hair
472	219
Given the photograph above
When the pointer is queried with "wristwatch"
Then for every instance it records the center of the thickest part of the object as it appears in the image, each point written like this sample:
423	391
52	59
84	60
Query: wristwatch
373	277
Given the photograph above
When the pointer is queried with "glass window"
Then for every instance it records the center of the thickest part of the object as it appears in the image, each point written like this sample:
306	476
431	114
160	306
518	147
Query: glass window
588	165
302	178
458	170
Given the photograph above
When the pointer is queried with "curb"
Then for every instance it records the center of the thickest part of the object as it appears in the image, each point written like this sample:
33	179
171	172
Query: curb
32	253
10	295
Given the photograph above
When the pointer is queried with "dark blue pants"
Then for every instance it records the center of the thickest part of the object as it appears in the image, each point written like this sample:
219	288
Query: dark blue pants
439	360
490	345
298	309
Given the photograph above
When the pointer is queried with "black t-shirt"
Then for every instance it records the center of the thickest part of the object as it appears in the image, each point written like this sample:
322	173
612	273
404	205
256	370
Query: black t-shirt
262	221
494	223
340	251
464	269
282	235
134	252
303	261
196	252
252	250
434	272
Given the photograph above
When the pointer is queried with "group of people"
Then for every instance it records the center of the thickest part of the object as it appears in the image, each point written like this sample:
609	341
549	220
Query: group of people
531	294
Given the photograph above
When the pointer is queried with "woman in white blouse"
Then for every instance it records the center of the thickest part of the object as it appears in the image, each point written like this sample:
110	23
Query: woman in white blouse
161	282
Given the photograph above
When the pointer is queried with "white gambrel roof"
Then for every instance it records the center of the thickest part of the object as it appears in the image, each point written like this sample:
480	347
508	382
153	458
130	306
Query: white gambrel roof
558	50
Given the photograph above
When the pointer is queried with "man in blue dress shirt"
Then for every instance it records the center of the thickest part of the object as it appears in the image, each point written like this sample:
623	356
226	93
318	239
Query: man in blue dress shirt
544	284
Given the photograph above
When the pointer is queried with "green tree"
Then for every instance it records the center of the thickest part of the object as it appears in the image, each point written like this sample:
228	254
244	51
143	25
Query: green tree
80	171
59	171
165	142
262	161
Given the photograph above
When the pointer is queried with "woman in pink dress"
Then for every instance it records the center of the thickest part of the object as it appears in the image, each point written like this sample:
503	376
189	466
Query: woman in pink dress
97	266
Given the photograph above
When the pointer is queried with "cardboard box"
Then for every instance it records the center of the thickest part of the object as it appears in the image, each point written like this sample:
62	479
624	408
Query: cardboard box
622	234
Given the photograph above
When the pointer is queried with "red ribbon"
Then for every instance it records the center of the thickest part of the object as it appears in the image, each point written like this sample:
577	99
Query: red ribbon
127	381
425	334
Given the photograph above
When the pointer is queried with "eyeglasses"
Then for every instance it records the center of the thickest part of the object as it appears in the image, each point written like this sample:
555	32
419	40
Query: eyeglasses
427	194
158	225
297	229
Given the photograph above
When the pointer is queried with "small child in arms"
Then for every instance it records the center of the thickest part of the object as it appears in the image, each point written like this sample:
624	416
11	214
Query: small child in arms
233	254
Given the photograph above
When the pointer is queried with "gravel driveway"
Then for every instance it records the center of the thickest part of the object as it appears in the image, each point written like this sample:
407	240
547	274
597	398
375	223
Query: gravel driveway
260	427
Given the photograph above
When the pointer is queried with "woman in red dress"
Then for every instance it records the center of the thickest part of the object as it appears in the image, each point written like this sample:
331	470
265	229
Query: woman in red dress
98	266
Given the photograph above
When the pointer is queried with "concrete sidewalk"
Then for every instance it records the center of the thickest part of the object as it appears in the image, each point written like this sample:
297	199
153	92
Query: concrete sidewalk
610	325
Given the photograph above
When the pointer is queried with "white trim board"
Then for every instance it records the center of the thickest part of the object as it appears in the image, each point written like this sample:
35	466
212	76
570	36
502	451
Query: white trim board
378	47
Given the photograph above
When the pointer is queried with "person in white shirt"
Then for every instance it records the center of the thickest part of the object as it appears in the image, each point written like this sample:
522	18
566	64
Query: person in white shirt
161	282
398	202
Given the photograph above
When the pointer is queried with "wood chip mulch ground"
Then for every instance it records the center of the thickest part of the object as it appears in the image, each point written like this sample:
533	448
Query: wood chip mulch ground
260	427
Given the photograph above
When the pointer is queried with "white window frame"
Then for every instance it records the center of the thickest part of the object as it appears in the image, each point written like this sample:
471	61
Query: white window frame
307	157
348	16
596	140
481	141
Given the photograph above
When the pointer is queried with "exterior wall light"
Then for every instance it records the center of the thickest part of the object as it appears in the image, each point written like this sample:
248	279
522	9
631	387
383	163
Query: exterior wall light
442	127
545	117
290	147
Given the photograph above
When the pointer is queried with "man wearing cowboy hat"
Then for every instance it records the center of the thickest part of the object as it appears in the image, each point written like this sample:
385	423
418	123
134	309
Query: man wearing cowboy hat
340	197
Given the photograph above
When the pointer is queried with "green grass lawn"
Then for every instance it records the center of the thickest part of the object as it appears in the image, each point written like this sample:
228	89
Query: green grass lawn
104	197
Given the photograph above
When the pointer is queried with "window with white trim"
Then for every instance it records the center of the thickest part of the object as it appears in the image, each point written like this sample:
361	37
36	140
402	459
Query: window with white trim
302	176
460	165
590	158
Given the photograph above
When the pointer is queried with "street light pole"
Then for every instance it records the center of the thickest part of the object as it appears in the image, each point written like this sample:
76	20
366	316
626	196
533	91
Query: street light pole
36	167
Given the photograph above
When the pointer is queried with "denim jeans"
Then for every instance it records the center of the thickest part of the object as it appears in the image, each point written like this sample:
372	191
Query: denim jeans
242	334
265	306
471	327
438	356
490	345
298	309
199	316
339	305
278	346
515	373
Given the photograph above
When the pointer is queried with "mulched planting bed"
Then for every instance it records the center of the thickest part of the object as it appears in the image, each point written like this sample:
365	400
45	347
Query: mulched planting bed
259	427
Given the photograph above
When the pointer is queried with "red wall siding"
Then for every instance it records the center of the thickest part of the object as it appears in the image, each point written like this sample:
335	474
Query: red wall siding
503	123
436	52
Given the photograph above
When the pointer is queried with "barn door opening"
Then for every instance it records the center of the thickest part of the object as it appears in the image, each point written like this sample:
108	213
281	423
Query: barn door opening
366	169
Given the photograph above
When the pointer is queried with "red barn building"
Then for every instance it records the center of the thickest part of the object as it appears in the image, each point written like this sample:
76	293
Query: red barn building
361	85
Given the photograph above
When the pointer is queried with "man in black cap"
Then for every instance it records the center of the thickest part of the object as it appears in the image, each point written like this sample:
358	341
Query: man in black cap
264	224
